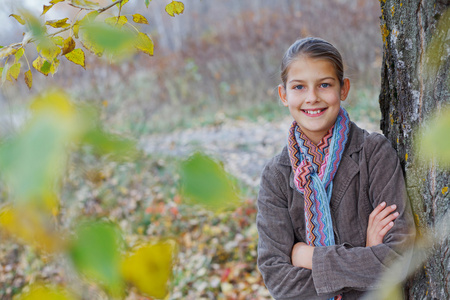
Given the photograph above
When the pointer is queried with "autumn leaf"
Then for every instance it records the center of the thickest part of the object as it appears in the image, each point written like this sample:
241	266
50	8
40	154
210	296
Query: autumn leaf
121	4
19	54
46	9
42	65
58	40
54	66
14	70
18	18
56	1
149	267
175	7
84	4
144	43
77	56
5	73
38	292
28	79
69	45
7	51
48	50
29	226
121	20
58	23
137	18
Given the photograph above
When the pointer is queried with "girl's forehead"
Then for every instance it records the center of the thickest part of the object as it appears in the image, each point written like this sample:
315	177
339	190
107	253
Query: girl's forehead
310	66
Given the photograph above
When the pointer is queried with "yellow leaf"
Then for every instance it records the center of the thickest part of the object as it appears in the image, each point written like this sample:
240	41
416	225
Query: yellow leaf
54	66
85	4
77	57
29	226
38	292
175	7
7	51
29	79
89	17
18	18
444	190
14	71
48	50
56	1
91	47
46	9
19	53
69	45
144	43
122	20
58	23
139	19
120	5
58	40
76	29
42	65
149	267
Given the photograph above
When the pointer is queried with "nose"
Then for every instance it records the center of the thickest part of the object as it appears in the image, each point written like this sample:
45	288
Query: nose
312	97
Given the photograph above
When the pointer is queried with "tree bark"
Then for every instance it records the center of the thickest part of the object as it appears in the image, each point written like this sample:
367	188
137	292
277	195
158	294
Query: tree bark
414	84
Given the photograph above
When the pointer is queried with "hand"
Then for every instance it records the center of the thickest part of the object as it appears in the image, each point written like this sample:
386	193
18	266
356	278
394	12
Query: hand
380	221
302	255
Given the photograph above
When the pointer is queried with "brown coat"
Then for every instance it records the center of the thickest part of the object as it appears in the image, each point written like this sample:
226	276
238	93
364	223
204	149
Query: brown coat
369	173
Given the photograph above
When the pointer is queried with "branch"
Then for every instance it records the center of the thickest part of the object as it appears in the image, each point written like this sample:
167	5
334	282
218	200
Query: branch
100	10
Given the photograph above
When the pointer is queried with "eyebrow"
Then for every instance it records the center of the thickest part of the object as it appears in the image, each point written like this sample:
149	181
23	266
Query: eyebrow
320	79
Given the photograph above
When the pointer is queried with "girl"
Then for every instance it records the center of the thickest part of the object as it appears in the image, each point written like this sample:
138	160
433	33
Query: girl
327	204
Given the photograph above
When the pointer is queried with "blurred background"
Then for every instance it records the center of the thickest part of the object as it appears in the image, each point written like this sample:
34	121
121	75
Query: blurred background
210	87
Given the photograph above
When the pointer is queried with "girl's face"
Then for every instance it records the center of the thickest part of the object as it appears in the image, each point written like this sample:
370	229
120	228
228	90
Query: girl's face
313	95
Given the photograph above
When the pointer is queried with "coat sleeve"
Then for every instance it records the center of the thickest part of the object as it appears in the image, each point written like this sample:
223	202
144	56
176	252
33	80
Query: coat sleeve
276	239
343	267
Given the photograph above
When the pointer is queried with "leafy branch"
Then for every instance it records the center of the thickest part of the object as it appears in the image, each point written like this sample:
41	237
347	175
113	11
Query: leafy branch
107	36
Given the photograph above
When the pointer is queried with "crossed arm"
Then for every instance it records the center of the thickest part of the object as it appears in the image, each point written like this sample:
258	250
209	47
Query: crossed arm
381	220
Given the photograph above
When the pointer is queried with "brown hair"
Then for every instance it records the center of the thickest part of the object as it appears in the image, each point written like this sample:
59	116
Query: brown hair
314	48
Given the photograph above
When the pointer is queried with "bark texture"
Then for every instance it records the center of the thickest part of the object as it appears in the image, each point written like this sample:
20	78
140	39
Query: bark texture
414	84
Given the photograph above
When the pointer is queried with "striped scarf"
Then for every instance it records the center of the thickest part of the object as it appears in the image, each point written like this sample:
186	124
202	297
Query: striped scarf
314	168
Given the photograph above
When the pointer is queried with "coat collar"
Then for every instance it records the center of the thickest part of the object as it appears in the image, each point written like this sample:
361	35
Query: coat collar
348	167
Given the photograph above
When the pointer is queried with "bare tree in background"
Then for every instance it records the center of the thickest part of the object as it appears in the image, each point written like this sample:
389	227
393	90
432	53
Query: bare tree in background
415	83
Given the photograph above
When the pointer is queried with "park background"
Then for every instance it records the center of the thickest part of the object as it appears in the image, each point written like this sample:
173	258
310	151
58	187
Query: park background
210	86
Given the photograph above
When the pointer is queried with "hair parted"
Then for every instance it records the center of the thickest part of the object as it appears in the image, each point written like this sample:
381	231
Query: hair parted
314	48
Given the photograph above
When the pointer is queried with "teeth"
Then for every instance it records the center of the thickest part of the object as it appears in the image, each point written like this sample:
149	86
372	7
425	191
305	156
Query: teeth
313	112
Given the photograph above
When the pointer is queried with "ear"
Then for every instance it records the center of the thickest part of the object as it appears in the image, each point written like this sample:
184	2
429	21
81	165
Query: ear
345	89
282	94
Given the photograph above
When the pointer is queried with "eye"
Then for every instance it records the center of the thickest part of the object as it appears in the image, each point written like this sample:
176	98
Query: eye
298	87
325	85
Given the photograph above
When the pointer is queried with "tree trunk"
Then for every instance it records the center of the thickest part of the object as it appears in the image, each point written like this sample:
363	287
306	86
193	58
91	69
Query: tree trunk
414	84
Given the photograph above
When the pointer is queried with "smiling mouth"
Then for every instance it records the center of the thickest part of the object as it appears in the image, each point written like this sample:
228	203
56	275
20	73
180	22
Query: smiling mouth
314	112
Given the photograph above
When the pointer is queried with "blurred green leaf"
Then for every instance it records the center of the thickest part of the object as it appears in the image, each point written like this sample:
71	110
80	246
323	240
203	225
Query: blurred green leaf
205	182
33	161
96	253
147	2
111	145
101	37
432	141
